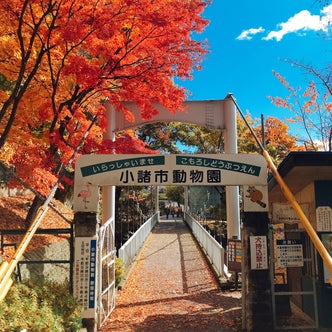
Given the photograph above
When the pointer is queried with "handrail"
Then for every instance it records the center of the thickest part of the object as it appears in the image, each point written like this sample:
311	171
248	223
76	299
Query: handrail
130	249
214	250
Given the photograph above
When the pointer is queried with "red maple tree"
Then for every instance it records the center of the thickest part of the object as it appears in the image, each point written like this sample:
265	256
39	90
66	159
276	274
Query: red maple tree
60	61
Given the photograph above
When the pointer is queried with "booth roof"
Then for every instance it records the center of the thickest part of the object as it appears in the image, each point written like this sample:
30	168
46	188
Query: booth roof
299	169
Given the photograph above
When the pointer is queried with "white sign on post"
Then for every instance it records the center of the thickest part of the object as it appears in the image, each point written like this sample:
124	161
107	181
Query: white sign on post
284	213
324	219
258	252
289	253
255	198
85	274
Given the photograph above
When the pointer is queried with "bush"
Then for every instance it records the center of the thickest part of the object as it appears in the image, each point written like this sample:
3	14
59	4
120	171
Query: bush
119	270
39	307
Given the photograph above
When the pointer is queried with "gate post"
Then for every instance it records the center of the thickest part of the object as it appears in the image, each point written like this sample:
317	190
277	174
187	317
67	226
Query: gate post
256	283
232	192
85	274
108	192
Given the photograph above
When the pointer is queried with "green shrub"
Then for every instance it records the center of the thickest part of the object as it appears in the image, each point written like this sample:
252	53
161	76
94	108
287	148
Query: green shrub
119	270
39	307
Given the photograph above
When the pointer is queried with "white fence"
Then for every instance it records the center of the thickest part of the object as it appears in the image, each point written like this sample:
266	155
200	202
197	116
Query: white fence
106	261
213	250
130	249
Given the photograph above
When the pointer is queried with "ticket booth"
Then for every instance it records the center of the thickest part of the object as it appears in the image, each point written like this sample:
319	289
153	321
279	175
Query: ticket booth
301	281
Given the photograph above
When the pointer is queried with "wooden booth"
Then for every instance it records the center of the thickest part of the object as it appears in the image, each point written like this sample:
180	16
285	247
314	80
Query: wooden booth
300	279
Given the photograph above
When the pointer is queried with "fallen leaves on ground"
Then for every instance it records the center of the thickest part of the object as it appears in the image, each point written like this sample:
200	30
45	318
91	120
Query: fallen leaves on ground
172	288
13	210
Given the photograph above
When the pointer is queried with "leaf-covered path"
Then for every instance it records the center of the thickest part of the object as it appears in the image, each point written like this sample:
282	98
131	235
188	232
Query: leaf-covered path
172	288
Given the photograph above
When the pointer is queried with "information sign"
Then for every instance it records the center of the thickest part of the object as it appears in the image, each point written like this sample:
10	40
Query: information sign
324	219
85	274
147	170
289	253
234	255
258	253
200	170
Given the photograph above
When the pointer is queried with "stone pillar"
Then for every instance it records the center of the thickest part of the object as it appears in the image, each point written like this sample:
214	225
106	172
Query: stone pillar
256	283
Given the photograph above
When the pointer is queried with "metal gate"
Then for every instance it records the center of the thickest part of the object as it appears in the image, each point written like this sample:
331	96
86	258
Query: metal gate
293	278
106	282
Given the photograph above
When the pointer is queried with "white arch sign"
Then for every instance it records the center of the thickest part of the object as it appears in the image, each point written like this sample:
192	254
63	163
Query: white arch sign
145	170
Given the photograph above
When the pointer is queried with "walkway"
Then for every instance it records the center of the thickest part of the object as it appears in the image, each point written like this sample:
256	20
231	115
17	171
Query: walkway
171	288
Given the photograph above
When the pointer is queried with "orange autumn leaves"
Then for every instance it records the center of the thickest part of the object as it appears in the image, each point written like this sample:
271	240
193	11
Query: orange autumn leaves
60	60
311	110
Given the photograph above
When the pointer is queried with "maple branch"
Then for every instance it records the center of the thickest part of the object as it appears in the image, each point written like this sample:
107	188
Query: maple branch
21	84
324	80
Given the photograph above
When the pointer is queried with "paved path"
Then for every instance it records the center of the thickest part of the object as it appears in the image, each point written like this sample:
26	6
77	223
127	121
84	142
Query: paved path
172	288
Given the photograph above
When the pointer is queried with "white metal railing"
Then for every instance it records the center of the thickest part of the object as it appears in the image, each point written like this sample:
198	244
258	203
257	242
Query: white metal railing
130	249
214	250
106	276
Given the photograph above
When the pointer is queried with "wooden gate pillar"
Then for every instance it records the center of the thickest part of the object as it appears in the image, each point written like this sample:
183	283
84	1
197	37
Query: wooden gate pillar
256	279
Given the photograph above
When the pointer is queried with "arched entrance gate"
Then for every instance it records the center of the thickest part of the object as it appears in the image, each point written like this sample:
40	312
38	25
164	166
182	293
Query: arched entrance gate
94	238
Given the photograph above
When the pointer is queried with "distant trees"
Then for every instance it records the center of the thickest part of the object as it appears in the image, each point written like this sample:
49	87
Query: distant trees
175	136
181	137
175	194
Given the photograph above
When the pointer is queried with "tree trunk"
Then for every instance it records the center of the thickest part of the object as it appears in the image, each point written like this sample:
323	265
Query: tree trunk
36	204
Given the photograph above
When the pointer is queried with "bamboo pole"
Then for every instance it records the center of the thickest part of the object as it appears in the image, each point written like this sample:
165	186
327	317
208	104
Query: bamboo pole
7	270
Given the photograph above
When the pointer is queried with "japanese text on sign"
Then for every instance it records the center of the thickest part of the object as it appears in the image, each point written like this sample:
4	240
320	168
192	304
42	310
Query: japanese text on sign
258	251
218	163
234	255
175	176
85	274
122	164
324	219
289	253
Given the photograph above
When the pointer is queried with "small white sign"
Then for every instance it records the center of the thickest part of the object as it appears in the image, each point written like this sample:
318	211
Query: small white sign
258	253
289	253
324	219
255	198
284	213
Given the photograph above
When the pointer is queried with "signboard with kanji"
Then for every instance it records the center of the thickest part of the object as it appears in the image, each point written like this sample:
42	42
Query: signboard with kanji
85	274
324	219
234	255
289	253
258	253
144	170
173	169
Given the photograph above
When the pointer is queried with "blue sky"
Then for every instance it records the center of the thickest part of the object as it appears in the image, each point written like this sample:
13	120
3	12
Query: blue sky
249	39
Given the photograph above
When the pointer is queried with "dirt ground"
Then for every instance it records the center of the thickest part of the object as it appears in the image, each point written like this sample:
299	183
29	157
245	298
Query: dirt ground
171	288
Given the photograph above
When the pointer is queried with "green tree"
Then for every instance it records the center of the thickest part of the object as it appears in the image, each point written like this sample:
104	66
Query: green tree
175	194
178	137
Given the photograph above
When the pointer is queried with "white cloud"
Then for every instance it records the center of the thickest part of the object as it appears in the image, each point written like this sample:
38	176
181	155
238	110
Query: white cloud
248	34
299	23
